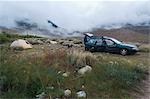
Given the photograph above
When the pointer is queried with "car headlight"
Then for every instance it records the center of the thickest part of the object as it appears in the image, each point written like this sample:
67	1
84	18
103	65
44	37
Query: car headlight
135	48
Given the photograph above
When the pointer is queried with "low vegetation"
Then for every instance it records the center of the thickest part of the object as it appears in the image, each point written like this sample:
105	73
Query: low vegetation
145	48
6	37
26	75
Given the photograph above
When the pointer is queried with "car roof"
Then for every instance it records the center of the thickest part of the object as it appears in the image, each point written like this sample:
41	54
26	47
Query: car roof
106	37
98	37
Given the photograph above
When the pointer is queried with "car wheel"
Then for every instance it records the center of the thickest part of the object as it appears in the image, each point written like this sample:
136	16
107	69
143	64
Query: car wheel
123	52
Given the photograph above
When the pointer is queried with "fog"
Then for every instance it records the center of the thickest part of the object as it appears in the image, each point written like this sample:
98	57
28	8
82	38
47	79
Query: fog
75	15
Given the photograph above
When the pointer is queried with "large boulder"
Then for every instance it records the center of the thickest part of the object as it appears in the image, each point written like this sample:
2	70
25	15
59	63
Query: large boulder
21	44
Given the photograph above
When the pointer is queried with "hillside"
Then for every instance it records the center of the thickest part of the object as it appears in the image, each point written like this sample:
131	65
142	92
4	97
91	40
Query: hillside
129	34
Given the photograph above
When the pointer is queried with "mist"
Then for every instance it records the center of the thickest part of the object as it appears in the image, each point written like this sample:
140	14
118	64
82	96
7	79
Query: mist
75	15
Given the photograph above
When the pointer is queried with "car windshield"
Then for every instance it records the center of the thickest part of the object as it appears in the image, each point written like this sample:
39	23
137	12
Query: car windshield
116	41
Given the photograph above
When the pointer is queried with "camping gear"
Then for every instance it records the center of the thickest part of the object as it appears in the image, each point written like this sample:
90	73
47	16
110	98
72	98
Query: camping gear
21	44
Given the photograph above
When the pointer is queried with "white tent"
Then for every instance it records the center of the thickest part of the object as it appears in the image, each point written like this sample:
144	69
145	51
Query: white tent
21	44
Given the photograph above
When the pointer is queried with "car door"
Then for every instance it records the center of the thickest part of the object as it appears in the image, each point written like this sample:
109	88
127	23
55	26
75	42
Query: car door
99	45
111	46
91	44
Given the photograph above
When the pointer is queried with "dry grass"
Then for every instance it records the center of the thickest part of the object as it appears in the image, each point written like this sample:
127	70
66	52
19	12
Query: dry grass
80	58
145	48
68	60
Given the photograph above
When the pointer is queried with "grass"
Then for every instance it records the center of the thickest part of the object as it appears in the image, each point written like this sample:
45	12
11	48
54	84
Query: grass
6	37
145	48
26	75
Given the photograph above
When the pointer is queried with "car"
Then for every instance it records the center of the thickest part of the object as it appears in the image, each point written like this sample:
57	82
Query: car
107	44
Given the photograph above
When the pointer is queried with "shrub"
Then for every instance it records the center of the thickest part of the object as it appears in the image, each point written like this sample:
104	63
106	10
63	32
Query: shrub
80	58
3	39
69	60
145	48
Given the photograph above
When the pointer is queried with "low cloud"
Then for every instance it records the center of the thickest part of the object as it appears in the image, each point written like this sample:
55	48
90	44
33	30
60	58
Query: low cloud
75	15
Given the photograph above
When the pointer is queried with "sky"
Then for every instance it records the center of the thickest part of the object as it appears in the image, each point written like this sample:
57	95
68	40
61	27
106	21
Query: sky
75	15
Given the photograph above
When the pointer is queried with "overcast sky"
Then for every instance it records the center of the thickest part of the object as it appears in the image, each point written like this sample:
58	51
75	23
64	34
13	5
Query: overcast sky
75	15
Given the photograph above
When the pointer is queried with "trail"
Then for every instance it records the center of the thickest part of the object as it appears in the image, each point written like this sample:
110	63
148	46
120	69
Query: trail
145	87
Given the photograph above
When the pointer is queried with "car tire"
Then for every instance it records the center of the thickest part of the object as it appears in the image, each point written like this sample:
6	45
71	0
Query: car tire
123	52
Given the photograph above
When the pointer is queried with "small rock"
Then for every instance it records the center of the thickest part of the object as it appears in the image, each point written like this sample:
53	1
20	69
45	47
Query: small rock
51	88
48	41
82	86
41	96
67	92
81	94
85	69
77	42
66	74
68	44
53	42
59	72
39	42
42	47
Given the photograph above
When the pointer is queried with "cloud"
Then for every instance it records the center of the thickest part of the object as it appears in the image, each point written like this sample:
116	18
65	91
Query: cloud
75	15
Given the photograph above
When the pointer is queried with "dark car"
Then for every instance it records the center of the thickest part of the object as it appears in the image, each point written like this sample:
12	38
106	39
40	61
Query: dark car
108	44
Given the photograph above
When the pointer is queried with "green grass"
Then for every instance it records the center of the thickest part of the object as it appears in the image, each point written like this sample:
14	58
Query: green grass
25	75
7	37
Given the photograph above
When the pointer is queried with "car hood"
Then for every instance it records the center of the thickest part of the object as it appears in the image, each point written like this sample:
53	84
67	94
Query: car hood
129	45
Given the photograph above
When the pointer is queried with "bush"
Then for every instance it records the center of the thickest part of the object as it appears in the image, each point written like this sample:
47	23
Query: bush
79	59
69	60
6	37
145	48
3	39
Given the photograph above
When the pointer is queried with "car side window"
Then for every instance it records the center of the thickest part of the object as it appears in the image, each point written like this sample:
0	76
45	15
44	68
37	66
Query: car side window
92	41
99	42
109	42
